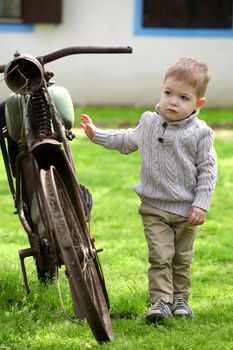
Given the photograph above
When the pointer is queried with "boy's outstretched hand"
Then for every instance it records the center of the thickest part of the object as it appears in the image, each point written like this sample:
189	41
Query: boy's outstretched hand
196	216
88	126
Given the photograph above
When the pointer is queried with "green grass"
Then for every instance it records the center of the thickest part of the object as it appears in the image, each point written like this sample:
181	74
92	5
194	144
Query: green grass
36	321
111	117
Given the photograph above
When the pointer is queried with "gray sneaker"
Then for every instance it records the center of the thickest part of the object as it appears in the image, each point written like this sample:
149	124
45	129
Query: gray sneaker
159	311
181	308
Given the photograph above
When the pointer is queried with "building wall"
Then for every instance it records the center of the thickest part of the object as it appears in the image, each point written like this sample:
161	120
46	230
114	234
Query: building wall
129	79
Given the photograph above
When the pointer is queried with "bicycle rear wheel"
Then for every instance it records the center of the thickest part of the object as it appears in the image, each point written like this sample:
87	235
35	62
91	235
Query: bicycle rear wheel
78	256
28	208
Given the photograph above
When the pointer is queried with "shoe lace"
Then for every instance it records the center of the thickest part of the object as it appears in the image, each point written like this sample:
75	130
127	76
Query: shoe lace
180	303
159	304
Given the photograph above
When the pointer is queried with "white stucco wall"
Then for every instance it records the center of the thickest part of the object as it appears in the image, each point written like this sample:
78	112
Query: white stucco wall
118	79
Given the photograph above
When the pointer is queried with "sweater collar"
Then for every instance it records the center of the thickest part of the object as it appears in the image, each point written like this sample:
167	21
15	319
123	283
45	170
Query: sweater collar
180	123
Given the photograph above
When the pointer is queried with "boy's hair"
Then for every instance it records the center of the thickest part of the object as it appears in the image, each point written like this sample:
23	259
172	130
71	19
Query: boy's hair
192	72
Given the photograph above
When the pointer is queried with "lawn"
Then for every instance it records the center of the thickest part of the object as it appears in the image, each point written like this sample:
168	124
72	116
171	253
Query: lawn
112	117
36	321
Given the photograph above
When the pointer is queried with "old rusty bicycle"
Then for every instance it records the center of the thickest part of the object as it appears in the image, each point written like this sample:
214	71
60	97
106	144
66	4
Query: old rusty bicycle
54	209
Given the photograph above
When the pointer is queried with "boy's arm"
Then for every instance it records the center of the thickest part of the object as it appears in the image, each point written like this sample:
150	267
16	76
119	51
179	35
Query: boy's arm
125	141
207	175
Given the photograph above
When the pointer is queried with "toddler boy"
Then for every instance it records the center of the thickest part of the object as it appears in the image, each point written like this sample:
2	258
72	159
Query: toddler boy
178	177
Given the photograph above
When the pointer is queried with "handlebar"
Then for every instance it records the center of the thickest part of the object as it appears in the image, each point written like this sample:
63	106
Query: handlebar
84	50
74	50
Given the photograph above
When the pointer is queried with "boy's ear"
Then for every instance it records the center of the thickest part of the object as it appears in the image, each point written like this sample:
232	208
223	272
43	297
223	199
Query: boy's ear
201	102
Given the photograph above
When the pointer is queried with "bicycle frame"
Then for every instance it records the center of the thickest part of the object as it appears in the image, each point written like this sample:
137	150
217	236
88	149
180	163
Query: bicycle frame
39	120
31	153
34	152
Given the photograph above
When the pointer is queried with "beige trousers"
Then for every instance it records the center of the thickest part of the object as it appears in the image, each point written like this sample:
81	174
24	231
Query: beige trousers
170	240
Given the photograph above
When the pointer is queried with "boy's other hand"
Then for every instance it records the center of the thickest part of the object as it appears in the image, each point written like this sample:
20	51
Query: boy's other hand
88	126
196	216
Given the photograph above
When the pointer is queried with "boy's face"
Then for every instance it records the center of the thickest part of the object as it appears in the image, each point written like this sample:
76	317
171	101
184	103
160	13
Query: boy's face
178	100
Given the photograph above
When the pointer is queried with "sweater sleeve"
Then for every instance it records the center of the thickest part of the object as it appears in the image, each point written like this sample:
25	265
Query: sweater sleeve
207	171
124	141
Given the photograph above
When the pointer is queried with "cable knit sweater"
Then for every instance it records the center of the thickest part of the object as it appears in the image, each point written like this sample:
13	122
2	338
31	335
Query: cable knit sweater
179	167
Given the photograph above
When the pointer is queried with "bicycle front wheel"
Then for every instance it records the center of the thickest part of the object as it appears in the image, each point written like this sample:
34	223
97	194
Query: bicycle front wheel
79	258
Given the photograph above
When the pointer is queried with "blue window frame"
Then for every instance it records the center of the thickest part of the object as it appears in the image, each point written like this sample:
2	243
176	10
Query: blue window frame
140	30
12	28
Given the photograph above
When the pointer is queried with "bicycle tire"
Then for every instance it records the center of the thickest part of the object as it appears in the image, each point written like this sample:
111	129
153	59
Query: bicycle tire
44	259
80	261
45	263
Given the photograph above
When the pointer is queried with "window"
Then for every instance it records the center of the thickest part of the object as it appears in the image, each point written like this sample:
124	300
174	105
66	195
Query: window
10	11
28	11
187	13
184	17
